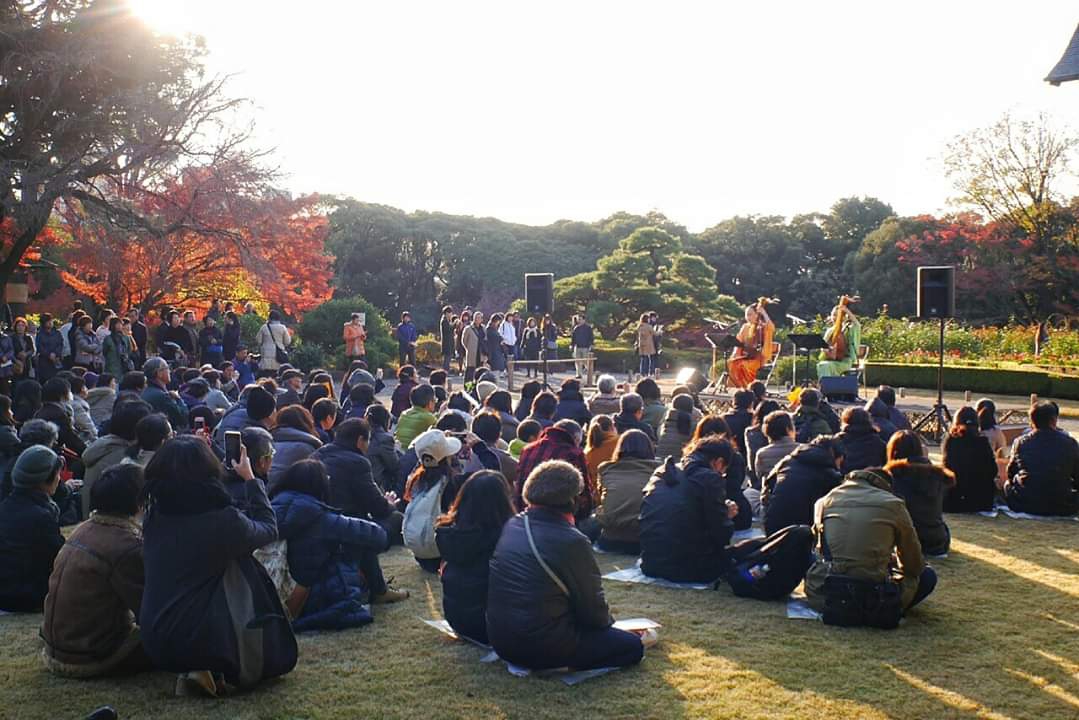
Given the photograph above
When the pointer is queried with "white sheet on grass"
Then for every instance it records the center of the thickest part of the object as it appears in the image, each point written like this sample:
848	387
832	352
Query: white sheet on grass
747	534
989	513
798	607
634	575
1027	516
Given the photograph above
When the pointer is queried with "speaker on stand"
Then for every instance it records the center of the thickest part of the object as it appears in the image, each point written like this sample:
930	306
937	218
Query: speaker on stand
936	301
539	293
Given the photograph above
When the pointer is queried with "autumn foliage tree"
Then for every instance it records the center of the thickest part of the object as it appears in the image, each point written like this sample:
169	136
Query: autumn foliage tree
211	231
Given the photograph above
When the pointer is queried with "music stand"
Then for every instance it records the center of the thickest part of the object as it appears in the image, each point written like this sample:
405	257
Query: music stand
807	342
722	343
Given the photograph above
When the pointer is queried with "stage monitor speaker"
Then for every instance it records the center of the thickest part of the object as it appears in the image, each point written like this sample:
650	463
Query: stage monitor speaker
936	291
843	388
692	378
539	293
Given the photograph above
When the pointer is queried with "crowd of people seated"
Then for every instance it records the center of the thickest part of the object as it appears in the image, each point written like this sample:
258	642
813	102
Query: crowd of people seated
204	564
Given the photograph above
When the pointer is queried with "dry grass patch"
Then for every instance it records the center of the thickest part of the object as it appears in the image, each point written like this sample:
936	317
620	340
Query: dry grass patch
999	639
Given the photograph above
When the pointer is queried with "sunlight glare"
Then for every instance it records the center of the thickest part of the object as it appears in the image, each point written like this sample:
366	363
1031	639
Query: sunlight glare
165	16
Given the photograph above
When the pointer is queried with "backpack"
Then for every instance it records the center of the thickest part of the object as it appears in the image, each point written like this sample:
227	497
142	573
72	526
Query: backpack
419	525
770	568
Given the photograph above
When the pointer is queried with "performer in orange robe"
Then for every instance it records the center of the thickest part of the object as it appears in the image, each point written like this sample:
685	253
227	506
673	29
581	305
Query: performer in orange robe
754	348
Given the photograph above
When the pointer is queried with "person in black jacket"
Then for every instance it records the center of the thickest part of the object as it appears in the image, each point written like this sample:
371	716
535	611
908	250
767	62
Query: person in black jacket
29	531
969	455
923	486
739	417
879	413
54	394
581	340
734	477
545	603
352	487
686	516
466	537
862	445
631	412
571	405
447	337
1043	475
799	480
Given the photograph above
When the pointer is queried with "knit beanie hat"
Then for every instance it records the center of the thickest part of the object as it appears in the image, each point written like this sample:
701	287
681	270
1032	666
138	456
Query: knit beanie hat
553	484
35	466
260	403
485	388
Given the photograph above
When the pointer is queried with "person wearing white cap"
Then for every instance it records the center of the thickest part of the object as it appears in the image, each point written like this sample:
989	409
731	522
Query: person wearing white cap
430	491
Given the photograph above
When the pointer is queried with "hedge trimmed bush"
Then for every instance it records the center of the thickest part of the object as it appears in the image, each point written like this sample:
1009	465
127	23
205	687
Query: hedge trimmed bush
981	380
324	325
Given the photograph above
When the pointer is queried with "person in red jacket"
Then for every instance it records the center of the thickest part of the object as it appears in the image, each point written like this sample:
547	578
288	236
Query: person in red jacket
561	441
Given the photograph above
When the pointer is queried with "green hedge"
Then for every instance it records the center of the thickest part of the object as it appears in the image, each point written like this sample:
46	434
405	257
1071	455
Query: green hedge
981	380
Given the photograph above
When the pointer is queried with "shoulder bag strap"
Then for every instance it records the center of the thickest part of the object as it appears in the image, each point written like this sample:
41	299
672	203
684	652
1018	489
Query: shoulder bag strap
539	558
273	337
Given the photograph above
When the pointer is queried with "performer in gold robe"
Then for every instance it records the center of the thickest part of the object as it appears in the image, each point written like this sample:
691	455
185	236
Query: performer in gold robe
754	347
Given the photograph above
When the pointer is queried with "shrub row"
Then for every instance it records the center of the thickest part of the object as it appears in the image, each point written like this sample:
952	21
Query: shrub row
980	380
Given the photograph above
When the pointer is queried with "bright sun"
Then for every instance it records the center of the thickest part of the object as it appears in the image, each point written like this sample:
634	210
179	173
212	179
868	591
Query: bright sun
165	16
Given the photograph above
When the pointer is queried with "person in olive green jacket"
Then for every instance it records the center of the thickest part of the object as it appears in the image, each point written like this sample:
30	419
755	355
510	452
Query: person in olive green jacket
863	524
417	419
621	490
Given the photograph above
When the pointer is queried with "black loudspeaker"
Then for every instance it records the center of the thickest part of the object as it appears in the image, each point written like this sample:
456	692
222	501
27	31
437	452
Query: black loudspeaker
936	292
692	378
840	388
539	293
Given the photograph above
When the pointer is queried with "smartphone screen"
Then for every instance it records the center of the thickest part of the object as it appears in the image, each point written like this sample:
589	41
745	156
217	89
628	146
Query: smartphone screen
200	423
232	447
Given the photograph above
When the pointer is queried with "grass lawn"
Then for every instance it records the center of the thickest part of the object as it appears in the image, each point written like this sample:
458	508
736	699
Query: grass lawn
999	639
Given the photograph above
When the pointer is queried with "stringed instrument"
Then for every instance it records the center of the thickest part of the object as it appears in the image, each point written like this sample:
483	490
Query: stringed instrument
756	338
835	337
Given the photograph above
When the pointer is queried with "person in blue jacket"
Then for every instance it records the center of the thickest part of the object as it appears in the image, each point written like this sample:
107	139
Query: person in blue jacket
406	340
334	556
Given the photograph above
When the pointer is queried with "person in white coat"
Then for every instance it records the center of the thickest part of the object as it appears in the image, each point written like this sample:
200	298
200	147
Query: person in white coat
271	337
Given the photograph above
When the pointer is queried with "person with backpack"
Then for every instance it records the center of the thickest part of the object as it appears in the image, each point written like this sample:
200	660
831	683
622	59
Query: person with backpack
869	568
466	537
545	602
430	492
332	556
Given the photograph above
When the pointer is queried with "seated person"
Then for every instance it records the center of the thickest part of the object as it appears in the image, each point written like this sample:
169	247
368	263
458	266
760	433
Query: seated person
333	556
419	418
486	454
401	398
620	489
562	441
862	444
600	442
987	423
809	420
923	486
969	455
544	407
209	610
685	521
869	536
677	430
360	397
899	421
779	429
798	481
382	448
1043	475
430	492
755	438
352	486
631	414
552	613
734	477
654	410
324	414
571	403
466	537
501	402
150	434
605	401
528	432
110	449
740	417
294	439
29	530
95	590
529	391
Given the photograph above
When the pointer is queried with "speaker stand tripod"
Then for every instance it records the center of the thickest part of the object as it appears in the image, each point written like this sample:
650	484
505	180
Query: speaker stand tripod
934	425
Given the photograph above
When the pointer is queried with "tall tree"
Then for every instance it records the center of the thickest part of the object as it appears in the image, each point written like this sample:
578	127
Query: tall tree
89	93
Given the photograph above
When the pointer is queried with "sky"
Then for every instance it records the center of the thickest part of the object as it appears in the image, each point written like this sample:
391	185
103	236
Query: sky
537	111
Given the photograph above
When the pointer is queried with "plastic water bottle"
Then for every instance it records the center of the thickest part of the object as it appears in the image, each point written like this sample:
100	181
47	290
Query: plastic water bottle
759	571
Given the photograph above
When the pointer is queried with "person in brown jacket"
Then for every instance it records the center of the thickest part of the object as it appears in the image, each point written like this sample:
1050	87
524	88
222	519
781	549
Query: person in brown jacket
646	345
869	536
95	590
621	490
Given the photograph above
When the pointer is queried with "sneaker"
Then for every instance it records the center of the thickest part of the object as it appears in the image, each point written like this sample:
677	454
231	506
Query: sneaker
649	638
389	597
196	684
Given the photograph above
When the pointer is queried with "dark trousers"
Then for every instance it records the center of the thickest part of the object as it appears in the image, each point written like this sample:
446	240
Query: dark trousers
392	525
431	565
646	365
446	358
926	583
367	561
607	648
406	354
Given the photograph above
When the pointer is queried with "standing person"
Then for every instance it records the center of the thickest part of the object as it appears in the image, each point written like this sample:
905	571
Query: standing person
117	350
215	310
209	610
646	344
507	332
230	339
447	337
531	344
459	326
355	337
22	344
191	325
582	338
968	454
657	339
273	340
139	335
406	340
66	331
50	349
211	341
87	345
552	613
496	358
550	338
177	334
473	341
466	538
